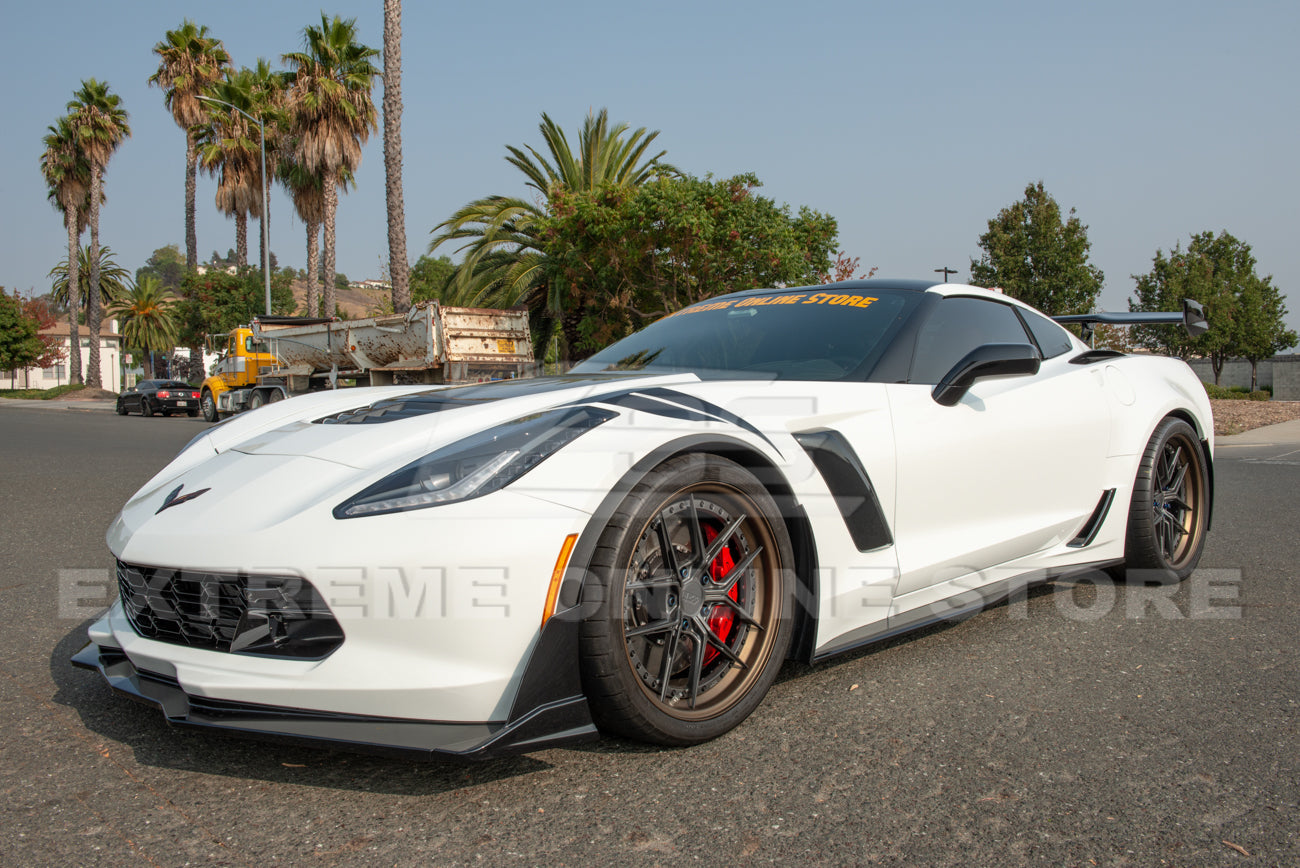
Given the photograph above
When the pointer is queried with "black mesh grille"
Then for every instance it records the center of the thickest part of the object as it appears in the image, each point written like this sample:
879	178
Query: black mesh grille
250	614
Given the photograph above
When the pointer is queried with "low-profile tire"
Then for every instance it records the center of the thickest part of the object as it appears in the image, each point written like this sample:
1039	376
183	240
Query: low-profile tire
1170	507
257	399
209	405
121	409
690	602
146	409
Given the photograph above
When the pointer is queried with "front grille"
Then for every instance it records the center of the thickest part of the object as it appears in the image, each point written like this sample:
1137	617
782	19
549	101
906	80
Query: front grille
239	613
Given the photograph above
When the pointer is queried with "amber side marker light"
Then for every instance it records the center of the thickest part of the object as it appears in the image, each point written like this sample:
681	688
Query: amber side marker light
557	577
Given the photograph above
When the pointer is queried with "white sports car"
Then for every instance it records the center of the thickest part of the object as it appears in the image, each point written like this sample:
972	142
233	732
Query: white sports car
637	546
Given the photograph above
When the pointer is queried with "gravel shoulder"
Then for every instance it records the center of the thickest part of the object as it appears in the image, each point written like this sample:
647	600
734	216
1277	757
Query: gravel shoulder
1235	416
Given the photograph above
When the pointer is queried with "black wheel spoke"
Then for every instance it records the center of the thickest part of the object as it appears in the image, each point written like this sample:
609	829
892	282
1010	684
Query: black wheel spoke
667	580
666	544
697	670
663	626
745	617
722	647
670	653
720	542
733	575
697	535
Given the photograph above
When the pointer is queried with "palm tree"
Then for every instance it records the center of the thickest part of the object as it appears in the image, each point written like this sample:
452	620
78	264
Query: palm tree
308	194
332	113
101	126
68	176
399	267
189	63
113	281
146	317
229	150
504	259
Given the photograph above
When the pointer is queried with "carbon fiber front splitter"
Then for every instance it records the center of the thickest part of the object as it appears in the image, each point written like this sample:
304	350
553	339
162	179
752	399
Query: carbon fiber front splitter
565	721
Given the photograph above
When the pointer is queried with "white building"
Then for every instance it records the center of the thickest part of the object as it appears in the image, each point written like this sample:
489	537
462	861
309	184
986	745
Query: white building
110	359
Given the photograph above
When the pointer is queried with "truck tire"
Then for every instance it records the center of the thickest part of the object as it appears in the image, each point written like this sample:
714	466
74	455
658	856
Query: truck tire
209	406
257	399
276	395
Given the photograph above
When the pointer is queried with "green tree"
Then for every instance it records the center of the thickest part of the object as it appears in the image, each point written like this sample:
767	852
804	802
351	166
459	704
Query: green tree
145	314
230	150
216	302
332	114
67	174
1245	311
113	281
20	345
189	62
1035	257
167	264
626	256
1260	322
504	257
399	266
101	126
429	277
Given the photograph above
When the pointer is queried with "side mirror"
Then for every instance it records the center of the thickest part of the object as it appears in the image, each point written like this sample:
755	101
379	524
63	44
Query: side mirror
989	360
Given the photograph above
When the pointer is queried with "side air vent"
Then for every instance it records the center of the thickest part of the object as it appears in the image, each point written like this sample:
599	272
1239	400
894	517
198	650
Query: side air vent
847	480
1090	528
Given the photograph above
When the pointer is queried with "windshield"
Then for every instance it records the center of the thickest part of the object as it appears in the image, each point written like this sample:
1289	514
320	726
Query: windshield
812	334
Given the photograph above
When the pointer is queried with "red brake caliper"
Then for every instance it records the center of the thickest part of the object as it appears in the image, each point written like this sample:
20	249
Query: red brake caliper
722	618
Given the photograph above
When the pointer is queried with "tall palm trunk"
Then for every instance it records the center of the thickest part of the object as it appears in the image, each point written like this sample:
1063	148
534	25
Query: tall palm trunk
241	238
191	190
331	209
313	268
74	296
94	378
399	267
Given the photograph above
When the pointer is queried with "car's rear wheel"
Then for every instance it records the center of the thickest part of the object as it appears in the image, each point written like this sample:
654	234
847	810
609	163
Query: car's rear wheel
209	405
1170	507
693	604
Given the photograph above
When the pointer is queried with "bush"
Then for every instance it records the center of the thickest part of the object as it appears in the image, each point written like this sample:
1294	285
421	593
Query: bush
1236	393
41	394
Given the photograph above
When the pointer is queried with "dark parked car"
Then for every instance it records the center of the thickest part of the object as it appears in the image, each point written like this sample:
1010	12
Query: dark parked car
159	396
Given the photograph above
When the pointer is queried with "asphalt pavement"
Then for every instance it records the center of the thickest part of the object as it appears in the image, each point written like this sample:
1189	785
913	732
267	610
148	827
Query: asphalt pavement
1088	724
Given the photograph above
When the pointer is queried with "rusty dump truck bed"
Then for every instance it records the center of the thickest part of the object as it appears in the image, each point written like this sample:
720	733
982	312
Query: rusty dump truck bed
455	341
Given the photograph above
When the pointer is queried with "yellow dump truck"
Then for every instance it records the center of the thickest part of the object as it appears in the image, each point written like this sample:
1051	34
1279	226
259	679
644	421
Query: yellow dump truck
276	357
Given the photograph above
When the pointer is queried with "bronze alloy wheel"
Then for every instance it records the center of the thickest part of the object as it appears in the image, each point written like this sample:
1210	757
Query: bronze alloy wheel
1170	506
695	616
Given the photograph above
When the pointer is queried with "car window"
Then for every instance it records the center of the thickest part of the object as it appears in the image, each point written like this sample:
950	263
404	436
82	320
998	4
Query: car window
954	328
800	334
1052	339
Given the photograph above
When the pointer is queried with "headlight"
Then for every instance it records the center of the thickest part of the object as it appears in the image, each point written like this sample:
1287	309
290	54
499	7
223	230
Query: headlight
477	465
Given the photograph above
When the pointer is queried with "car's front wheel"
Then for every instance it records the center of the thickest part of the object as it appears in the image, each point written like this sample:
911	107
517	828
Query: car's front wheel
146	409
121	409
1170	506
692	595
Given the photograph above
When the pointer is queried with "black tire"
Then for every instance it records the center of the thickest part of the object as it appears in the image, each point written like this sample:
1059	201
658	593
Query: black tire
275	396
121	409
257	399
1170	507
696	566
146	408
209	405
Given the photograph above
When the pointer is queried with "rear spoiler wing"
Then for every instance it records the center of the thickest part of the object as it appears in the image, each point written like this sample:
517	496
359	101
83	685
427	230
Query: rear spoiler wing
1192	319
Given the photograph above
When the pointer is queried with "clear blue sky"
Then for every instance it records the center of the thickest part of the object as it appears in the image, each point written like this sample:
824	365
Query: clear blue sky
912	123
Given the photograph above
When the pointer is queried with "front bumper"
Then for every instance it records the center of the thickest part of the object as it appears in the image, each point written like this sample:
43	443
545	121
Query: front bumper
563	721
